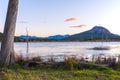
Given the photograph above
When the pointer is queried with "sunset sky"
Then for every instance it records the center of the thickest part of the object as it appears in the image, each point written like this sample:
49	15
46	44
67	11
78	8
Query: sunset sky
51	17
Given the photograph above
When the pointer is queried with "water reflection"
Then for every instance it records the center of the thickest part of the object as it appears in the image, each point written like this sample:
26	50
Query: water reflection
69	48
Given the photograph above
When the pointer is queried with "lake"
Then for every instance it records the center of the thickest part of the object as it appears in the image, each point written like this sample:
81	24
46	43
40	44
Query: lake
68	48
61	50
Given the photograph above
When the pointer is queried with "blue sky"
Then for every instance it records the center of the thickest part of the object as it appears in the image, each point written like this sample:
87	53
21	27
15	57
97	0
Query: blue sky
46	17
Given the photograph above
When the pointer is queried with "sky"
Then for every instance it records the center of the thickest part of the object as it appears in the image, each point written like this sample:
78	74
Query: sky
50	17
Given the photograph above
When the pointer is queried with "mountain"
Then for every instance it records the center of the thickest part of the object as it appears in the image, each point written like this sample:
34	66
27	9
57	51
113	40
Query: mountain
55	37
58	37
96	33
35	38
25	37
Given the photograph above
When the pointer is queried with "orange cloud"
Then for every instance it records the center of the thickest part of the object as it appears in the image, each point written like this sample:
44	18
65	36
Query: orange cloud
70	19
79	26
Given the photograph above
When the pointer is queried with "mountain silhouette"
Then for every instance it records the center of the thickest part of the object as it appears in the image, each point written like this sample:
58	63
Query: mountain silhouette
96	33
58	37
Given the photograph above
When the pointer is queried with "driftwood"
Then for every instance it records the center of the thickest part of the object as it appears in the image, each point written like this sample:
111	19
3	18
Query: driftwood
112	64
38	64
57	64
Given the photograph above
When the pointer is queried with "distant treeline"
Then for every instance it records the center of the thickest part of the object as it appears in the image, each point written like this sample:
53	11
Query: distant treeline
52	40
17	39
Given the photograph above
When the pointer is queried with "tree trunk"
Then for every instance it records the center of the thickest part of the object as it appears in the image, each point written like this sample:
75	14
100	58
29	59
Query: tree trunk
7	46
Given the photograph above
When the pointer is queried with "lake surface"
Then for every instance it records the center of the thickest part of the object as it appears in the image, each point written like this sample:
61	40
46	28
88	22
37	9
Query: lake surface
67	48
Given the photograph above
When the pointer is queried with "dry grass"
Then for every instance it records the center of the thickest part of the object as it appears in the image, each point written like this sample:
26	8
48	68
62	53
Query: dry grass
96	60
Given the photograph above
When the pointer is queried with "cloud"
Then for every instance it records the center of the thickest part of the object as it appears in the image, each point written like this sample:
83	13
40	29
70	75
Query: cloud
79	26
70	19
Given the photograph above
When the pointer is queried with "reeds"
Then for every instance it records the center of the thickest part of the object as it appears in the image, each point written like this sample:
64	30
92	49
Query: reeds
100	59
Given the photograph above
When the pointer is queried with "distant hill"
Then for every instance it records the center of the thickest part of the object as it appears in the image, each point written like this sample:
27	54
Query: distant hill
25	37
96	33
58	37
35	38
54	37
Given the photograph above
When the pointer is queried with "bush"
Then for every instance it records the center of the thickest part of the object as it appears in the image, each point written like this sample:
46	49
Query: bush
72	63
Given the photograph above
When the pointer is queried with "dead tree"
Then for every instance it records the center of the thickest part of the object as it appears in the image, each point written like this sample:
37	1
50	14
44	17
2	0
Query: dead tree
7	45
27	41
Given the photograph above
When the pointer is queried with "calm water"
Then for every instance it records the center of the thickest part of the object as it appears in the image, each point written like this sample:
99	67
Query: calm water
67	48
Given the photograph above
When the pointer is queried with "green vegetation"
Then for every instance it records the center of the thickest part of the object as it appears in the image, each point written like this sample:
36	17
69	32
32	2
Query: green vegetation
15	72
70	70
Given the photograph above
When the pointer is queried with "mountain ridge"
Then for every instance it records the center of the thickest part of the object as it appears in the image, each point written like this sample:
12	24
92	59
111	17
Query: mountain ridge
96	33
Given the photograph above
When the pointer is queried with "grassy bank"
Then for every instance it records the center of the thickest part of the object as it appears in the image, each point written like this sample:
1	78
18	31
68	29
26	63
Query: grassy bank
17	72
70	69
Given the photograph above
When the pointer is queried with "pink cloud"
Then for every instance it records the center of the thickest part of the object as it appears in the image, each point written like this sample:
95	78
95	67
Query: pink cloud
79	26
70	19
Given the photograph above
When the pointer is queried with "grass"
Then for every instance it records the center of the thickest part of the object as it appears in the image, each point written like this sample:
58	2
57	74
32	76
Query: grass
70	70
17	72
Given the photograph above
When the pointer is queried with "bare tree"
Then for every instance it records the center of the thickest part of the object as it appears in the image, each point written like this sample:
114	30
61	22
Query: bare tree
7	46
27	40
